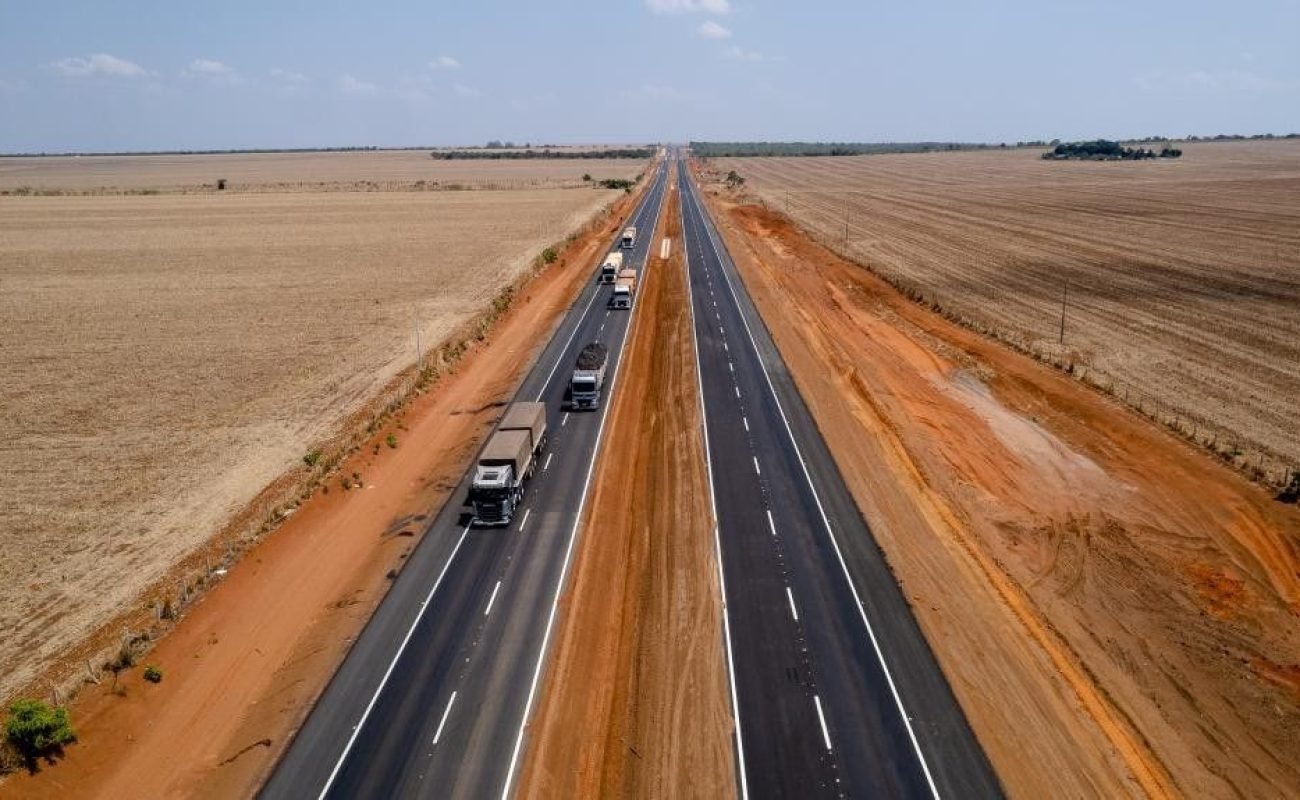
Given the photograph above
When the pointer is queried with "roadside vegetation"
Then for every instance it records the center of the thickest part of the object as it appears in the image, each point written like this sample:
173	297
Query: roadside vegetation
34	730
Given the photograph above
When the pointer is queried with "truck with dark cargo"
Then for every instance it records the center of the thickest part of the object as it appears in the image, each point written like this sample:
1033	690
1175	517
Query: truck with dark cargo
610	267
588	378
506	463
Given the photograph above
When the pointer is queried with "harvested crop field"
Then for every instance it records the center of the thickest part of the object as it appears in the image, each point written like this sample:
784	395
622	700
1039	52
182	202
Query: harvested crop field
276	171
1183	276
165	358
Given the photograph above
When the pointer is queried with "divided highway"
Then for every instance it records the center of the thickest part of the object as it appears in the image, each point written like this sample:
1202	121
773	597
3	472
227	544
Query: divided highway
432	699
834	688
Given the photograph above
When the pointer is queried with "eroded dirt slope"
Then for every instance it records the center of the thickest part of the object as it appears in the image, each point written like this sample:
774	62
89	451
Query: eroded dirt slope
1117	612
636	698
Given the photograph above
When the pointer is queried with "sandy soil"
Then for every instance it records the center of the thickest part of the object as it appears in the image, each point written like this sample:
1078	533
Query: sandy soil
1116	611
243	666
162	359
251	170
635	702
1183	277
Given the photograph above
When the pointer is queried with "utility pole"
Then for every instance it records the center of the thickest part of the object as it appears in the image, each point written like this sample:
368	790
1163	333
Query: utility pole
1065	294
419	352
846	222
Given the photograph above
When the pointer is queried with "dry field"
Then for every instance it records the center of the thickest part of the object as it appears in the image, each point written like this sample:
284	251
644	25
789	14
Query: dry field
1183	277
255	171
164	358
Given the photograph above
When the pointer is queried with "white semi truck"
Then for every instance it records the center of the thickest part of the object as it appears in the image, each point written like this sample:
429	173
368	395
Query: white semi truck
610	267
624	289
507	462
628	241
588	378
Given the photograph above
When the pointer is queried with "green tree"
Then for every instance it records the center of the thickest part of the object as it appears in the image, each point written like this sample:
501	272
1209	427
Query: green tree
36	730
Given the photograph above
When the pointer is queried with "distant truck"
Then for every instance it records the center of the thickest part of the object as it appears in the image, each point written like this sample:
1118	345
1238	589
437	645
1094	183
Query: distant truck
610	267
629	238
588	377
624	289
507	462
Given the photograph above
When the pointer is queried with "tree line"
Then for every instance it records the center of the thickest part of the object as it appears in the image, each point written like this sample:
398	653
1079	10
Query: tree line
497	153
1106	150
743	149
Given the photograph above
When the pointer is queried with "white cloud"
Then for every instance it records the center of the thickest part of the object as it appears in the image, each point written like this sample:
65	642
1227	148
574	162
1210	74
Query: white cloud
97	64
444	62
352	85
288	76
465	91
688	6
206	66
741	54
712	30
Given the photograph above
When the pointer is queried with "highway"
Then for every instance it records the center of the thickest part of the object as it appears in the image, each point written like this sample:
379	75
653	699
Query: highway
432	697
834	688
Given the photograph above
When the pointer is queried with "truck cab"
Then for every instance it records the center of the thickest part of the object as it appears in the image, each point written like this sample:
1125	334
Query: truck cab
610	267
584	389
493	495
628	240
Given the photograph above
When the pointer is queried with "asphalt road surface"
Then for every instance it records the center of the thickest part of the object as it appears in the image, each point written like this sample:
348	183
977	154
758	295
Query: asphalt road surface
432	698
834	689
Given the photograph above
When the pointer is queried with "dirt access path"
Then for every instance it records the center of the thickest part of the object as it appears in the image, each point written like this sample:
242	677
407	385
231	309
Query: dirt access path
1117	613
635	702
244	666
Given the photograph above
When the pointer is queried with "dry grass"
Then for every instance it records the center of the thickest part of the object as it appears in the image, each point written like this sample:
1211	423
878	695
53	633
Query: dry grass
1184	277
251	171
164	358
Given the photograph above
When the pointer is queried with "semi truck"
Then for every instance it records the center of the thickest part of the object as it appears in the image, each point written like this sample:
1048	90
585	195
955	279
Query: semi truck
588	378
609	268
508	460
628	241
624	289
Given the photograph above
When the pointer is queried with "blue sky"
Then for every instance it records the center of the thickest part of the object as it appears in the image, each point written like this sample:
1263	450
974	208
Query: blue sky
165	75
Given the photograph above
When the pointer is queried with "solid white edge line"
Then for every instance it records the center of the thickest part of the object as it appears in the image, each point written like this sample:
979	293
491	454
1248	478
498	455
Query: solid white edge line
713	503
826	734
875	643
493	599
446	712
568	554
794	612
361	723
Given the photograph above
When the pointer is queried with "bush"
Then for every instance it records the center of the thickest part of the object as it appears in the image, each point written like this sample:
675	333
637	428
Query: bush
153	674
390	440
549	255
36	730
311	458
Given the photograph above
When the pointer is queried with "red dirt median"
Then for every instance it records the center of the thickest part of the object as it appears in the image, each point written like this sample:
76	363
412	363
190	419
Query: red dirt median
244	665
635	703
1115	611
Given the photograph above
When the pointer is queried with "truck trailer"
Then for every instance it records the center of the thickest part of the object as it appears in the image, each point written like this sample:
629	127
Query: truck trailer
588	378
610	267
508	460
628	240
624	289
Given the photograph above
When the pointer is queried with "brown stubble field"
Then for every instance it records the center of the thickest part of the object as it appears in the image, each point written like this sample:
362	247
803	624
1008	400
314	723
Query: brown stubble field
162	359
1183	277
286	171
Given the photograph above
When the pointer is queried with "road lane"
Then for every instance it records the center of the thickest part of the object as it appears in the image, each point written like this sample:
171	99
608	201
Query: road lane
364	739
829	703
